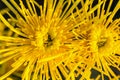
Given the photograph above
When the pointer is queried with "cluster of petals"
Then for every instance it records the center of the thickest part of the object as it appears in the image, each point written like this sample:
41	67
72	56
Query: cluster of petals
60	40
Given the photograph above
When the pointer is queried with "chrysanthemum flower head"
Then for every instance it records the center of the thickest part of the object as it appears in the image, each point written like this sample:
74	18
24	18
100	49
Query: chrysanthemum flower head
43	40
61	39
102	38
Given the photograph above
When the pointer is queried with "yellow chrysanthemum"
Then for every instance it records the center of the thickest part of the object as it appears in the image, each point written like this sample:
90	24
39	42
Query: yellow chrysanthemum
101	34
44	41
61	39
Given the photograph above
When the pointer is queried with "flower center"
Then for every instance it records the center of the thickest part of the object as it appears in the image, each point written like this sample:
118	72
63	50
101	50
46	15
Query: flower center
42	41
102	42
49	41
